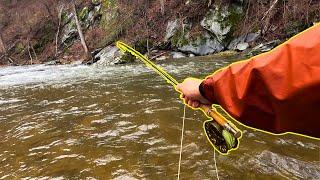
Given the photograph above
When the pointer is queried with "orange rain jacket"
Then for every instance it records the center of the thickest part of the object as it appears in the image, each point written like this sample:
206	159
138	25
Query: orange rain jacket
278	91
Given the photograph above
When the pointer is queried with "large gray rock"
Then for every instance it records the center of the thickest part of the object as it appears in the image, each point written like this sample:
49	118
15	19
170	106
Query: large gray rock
221	21
202	45
69	31
215	22
241	43
264	47
109	55
87	18
171	30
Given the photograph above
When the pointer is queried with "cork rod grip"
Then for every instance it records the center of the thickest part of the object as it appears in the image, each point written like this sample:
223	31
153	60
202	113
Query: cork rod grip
212	112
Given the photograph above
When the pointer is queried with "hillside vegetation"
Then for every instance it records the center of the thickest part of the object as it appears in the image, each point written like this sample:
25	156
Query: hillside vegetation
34	31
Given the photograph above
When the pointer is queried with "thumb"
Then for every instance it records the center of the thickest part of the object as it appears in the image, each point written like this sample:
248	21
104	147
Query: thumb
178	87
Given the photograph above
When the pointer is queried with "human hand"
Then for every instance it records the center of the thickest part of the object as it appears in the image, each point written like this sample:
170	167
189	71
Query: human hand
189	89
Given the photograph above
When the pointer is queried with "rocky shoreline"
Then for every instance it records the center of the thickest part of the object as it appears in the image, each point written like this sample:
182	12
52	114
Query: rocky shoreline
183	29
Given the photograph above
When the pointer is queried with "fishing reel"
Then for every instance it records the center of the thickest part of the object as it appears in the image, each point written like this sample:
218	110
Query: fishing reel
219	138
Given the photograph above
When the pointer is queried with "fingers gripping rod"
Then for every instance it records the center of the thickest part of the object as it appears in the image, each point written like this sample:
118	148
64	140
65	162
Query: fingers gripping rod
209	111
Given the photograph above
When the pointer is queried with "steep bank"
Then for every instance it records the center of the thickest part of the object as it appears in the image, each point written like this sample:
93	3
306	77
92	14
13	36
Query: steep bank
32	31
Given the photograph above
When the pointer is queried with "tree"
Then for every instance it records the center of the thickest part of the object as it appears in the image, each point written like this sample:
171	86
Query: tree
162	6
58	29
83	42
2	46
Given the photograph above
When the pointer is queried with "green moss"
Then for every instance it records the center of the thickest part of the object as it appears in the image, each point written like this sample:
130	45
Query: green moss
83	14
294	28
127	58
180	38
142	45
48	35
19	47
231	19
95	1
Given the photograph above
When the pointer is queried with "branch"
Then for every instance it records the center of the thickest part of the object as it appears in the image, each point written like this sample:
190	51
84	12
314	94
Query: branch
271	7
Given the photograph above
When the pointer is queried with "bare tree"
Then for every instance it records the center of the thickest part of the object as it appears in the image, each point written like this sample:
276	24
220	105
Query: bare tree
83	42
58	31
162	2
2	46
265	21
30	55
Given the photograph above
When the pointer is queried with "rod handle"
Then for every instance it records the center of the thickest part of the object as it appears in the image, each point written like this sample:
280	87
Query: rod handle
212	112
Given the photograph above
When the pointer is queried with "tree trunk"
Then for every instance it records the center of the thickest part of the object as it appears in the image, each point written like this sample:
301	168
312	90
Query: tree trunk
58	31
162	6
31	60
2	47
83	42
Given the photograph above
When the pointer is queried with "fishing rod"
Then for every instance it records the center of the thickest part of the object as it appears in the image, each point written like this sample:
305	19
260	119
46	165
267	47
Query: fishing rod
208	110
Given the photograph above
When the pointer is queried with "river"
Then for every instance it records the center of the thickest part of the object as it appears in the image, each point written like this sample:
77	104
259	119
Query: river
124	122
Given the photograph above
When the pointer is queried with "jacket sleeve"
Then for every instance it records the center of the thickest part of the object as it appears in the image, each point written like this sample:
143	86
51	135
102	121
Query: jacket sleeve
278	91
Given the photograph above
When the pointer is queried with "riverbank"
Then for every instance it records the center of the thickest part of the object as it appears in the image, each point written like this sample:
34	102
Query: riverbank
46	32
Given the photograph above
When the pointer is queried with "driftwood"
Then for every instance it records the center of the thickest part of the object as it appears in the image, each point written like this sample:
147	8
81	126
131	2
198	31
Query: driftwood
158	55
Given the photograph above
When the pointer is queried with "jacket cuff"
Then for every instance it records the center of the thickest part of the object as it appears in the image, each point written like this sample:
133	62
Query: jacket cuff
206	90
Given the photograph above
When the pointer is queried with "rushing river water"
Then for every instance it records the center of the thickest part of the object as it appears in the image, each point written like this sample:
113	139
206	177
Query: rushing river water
124	122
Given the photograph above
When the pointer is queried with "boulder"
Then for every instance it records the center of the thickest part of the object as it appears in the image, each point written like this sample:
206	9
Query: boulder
107	56
222	22
264	47
177	55
171	29
242	46
241	43
202	45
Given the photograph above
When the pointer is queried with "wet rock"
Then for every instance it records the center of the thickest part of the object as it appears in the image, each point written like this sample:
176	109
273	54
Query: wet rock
107	56
171	29
241	43
69	32
242	46
222	21
161	58
87	18
202	45
177	55
214	22
264	47
53	62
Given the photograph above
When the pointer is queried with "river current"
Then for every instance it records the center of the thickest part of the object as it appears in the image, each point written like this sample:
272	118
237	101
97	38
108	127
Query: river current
124	122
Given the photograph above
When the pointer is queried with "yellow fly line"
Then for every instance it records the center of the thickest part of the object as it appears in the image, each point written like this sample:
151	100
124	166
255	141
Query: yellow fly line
210	112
